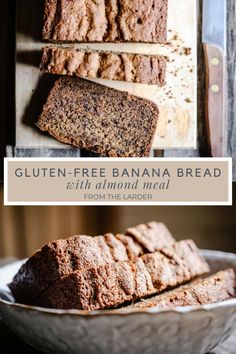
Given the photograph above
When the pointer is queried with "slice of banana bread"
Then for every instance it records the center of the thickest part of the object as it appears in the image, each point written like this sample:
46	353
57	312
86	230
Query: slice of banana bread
113	284
91	116
145	238
137	68
61	257
218	287
145	235
105	21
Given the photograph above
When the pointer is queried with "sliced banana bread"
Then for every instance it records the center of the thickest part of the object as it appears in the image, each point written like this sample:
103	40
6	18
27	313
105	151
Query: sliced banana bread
91	116
145	238
137	68
145	235
113	284
105	21
61	257
218	287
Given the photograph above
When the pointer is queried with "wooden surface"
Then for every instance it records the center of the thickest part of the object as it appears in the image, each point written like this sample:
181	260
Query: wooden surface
176	100
231	68
202	148
7	86
215	93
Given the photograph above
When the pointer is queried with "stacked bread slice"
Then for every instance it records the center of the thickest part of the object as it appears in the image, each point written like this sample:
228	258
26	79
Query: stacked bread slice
62	257
105	21
136	68
106	272
92	116
215	288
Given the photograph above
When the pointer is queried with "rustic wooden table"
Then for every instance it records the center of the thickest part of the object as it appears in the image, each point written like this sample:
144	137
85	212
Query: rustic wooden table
231	101
9	343
7	111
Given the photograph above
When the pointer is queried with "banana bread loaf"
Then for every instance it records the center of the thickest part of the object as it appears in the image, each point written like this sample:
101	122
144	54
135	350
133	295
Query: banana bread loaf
114	284
98	118
137	68
61	257
105	21
218	287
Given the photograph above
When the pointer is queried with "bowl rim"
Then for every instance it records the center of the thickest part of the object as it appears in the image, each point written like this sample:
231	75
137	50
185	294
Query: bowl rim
152	311
183	310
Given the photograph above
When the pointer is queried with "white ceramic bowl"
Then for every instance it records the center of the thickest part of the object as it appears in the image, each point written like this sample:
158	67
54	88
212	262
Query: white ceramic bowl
187	330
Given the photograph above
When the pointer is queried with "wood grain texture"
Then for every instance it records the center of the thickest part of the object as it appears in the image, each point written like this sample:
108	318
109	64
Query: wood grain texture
203	148
231	68
176	100
202	143
215	100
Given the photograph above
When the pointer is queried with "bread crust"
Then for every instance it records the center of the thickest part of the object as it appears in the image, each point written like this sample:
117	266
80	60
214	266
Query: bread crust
61	257
136	68
106	21
218	287
114	284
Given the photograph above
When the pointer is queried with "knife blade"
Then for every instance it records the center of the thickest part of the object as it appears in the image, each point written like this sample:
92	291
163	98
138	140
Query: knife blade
214	43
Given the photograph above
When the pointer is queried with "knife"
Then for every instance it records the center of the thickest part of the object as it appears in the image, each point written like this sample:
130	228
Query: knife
214	43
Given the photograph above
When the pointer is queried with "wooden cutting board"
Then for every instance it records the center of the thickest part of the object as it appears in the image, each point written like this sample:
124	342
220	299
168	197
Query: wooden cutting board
177	101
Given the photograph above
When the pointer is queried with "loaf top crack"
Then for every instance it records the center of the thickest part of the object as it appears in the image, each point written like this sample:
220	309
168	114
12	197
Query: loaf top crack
106	21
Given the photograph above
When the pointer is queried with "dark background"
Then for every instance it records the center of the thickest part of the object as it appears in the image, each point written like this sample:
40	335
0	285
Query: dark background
7	77
25	229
